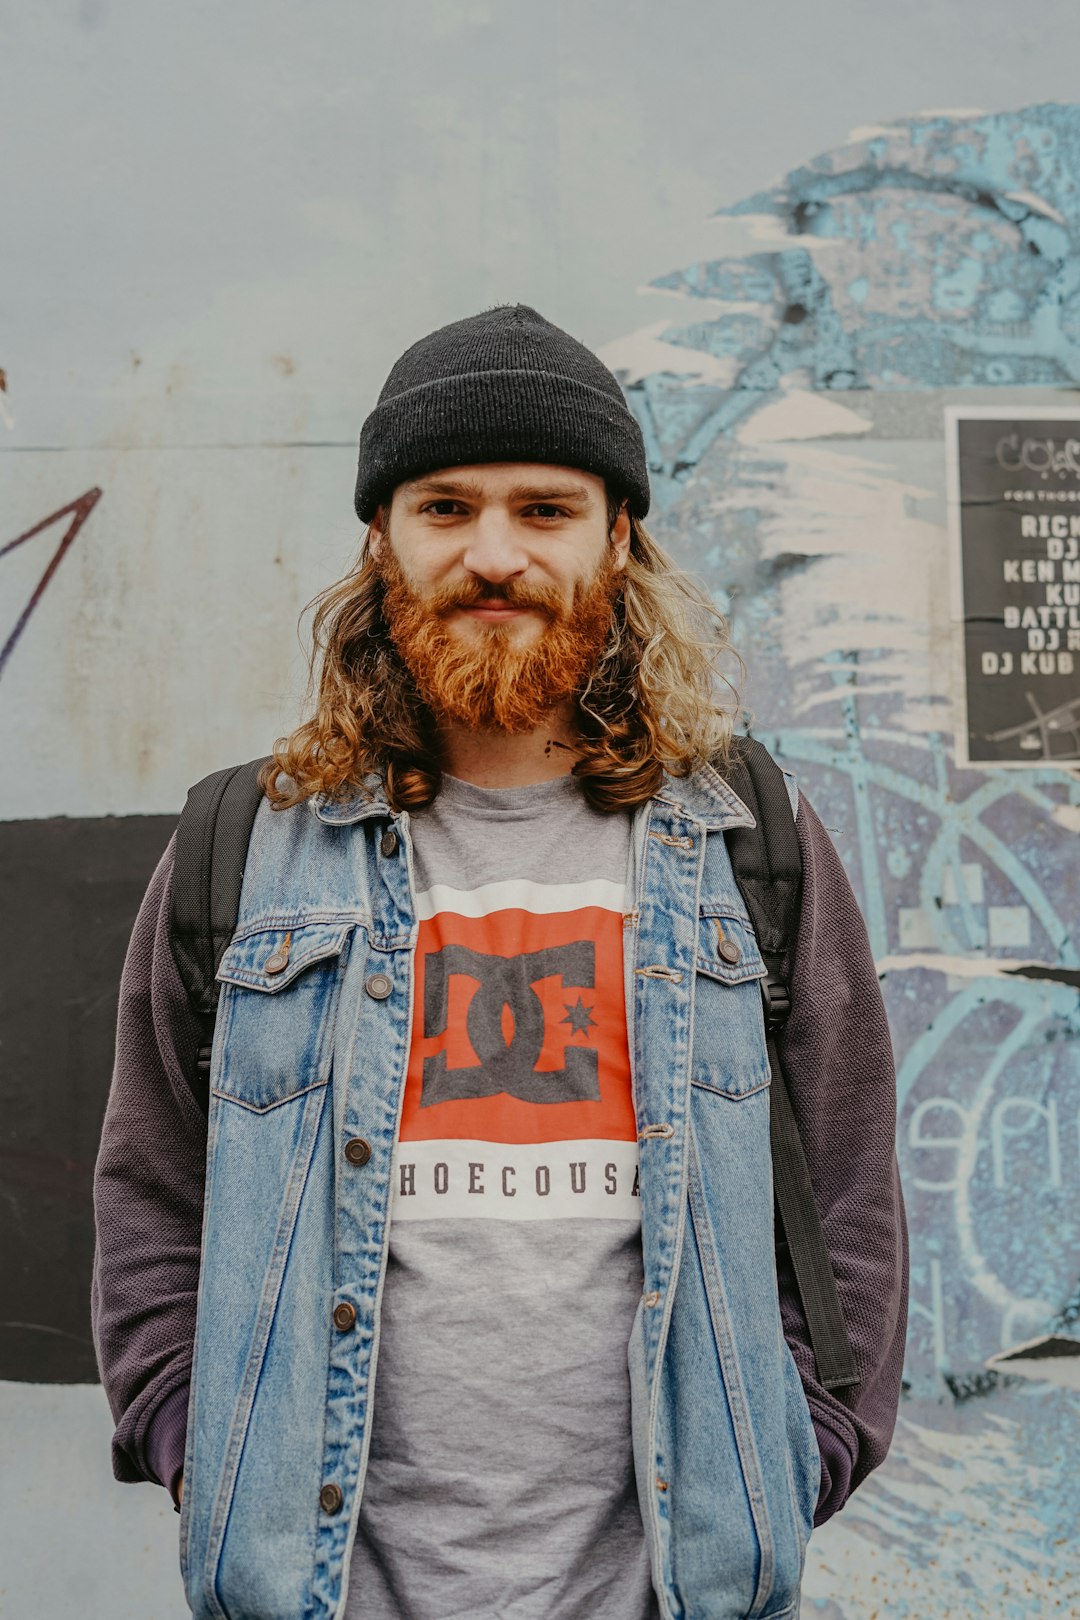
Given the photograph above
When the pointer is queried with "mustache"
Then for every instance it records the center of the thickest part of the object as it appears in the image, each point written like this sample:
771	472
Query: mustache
468	593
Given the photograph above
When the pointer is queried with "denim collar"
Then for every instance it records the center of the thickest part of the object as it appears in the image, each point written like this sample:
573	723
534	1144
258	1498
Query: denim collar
704	796
359	805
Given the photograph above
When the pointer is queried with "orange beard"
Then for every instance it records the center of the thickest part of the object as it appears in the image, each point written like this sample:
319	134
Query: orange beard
485	682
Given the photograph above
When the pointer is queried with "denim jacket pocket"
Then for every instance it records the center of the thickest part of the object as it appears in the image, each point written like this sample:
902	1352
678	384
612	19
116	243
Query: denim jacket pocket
279	993
729	1054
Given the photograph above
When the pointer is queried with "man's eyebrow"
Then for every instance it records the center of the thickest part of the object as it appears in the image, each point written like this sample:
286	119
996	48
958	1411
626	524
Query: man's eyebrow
519	492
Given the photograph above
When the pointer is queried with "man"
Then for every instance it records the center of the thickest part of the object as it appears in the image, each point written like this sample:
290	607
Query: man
481	1231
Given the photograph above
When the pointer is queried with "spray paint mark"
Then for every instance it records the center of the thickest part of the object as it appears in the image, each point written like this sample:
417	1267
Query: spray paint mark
1058	975
79	510
967	1386
1050	1359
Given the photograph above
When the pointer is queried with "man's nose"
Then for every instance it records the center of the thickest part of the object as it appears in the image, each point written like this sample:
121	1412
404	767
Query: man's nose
494	551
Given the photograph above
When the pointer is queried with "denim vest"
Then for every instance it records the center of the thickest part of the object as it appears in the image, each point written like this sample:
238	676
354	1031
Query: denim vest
307	1077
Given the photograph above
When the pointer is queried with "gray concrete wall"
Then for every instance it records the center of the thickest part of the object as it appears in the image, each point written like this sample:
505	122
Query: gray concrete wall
221	226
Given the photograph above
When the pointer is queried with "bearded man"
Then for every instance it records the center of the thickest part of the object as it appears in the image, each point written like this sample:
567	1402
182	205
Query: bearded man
467	1299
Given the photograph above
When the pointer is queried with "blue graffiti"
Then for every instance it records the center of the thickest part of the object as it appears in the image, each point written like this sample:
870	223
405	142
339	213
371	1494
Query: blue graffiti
940	254
974	218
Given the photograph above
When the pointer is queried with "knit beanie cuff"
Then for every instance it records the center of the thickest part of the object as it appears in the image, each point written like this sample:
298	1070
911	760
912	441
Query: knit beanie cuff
502	386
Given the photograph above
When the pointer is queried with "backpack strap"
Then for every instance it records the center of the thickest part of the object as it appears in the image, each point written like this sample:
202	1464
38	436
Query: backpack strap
767	863
211	847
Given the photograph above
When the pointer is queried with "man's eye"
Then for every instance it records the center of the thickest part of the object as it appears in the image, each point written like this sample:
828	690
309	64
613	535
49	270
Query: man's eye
543	509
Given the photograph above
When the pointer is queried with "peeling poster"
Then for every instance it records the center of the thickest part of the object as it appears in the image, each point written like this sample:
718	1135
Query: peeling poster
1015	510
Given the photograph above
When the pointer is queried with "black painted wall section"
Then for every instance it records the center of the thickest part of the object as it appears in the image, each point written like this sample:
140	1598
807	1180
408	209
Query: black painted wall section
69	891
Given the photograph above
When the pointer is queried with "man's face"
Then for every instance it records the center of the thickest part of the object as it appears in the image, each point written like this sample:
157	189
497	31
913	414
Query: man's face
500	579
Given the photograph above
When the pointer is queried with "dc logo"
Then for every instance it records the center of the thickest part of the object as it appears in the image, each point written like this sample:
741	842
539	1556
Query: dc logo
509	1065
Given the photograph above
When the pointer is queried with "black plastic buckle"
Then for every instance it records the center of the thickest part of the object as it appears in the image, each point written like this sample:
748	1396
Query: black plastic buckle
777	998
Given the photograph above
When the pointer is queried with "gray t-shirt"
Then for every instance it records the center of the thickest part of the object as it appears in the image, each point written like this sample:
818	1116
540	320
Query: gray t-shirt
500	1483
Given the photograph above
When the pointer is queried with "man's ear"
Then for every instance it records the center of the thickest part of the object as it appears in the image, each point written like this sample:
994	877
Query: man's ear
620	536
375	534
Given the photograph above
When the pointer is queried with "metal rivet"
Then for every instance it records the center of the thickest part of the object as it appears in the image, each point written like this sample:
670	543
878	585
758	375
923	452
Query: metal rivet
729	951
331	1499
344	1316
649	1300
379	985
661	1484
357	1150
389	842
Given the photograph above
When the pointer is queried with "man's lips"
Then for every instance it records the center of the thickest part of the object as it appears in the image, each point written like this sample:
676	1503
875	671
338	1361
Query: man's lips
492	612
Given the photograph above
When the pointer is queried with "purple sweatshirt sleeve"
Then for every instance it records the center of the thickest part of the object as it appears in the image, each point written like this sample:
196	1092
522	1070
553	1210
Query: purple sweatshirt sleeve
837	1055
148	1195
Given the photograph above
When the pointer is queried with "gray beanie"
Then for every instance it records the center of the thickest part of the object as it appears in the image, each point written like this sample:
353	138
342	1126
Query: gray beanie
505	385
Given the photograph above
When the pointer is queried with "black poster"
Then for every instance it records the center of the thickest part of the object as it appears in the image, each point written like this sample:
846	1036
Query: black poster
1016	527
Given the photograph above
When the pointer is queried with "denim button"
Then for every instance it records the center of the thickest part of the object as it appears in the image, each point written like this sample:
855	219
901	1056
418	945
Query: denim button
729	951
330	1499
344	1316
357	1151
279	961
379	985
389	842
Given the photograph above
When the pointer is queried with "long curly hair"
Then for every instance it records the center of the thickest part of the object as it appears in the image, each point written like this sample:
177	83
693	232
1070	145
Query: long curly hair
654	700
